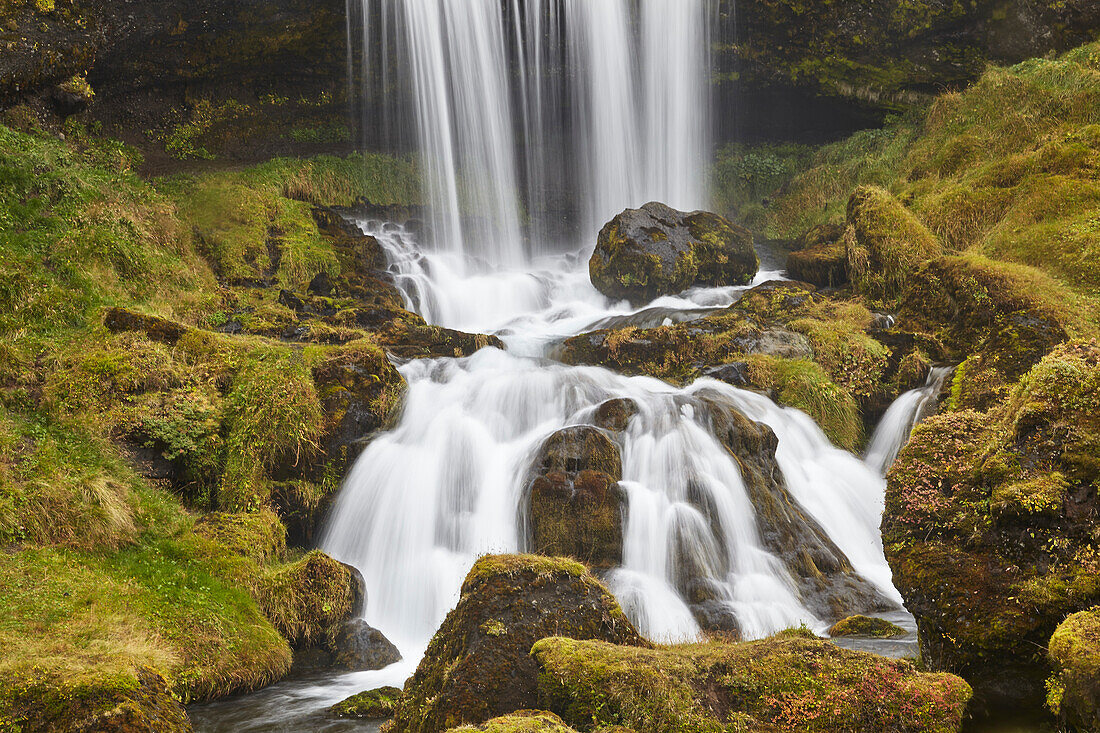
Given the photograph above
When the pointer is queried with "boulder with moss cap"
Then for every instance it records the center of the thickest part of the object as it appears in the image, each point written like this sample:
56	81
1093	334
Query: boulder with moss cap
656	250
478	664
790	682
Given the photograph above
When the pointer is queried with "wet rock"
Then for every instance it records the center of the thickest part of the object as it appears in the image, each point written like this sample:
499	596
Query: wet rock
478	666
735	373
774	342
575	502
361	647
793	681
878	628
656	250
369	705
827	583
614	415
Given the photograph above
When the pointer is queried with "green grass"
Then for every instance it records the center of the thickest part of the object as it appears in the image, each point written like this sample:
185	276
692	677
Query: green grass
104	573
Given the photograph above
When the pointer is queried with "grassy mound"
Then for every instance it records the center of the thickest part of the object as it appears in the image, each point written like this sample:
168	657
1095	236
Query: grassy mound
791	682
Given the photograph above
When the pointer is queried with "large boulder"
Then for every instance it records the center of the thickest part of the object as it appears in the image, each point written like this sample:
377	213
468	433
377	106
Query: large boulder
656	250
361	647
478	665
575	503
791	682
990	528
1073	693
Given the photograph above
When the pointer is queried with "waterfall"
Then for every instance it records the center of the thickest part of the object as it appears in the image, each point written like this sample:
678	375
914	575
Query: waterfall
527	113
425	500
902	416
530	112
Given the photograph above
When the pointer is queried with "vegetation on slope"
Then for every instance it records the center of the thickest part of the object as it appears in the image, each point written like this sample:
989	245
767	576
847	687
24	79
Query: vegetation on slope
119	428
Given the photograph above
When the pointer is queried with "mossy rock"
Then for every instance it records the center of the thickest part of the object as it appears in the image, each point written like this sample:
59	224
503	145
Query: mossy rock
135	702
478	665
260	535
820	257
1003	318
786	683
308	601
575	504
370	705
521	721
987	527
885	244
877	628
1073	692
645	253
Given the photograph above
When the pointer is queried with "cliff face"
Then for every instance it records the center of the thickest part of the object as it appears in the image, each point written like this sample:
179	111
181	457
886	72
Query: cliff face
801	69
256	77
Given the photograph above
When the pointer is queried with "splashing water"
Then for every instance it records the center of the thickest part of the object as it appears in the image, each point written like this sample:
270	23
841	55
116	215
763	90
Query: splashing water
903	415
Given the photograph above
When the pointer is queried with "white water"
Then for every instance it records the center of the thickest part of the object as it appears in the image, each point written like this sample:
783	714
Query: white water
607	107
445	486
897	424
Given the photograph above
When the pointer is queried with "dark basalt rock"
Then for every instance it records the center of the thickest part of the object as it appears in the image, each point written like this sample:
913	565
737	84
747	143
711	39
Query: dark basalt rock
361	647
478	666
734	373
656	250
575	505
614	415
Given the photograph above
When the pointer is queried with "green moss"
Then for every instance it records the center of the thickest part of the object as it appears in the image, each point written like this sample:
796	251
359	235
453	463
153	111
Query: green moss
273	413
784	683
878	628
257	535
308	600
1074	651
371	704
521	721
885	244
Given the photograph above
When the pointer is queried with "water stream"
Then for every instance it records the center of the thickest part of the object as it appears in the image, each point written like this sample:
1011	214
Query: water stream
537	121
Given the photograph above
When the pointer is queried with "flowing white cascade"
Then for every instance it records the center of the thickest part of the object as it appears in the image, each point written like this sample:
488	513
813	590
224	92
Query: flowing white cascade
897	424
425	500
593	106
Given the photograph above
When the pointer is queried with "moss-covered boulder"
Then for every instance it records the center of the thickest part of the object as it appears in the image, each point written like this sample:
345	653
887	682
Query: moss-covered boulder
1001	319
521	721
309	601
478	665
369	705
791	682
877	628
885	244
126	702
645	253
807	350
1073	692
821	257
989	527
575	504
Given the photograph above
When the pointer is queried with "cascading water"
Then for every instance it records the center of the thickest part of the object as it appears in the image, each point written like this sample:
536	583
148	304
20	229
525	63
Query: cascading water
896	425
528	114
609	108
